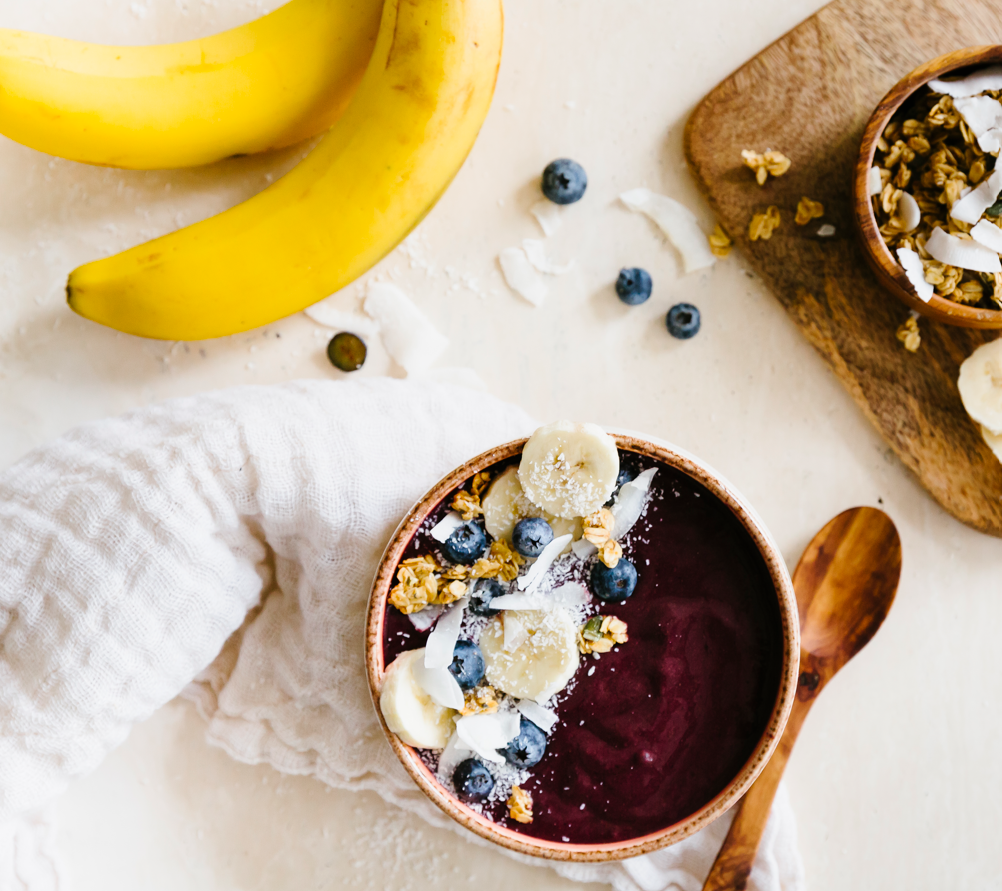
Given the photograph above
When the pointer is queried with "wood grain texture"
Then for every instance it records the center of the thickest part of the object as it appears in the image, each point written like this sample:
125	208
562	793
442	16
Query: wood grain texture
810	95
845	585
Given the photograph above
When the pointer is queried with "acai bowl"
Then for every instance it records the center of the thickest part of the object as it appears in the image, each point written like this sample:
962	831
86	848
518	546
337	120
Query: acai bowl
583	646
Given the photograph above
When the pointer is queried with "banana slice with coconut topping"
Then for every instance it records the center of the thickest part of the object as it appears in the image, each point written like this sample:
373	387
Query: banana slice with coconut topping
569	469
530	654
410	711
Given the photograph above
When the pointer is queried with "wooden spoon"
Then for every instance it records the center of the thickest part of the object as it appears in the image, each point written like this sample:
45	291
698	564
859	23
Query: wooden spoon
845	584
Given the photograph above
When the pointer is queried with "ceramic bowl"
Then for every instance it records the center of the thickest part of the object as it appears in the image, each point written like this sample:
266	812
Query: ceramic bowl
877	254
787	637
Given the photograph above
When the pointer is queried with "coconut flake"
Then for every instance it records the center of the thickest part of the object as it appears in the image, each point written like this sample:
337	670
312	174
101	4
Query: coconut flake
441	642
911	262
515	633
583	549
678	223
530	581
485	734
960	252
970	207
535	250
908	212
518	601
548	216
989	235
521	277
989	78
423	619
571	595
874	184
446	526
330	316
541	716
409	338
454	753
630	501
439	684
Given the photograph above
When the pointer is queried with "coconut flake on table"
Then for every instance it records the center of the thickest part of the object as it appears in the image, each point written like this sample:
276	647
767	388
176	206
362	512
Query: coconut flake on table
962	253
515	633
330	316
535	250
423	619
446	526
541	716
530	581
441	643
989	78
678	223
630	502
970	206
874	183
439	684
521	276
409	338
908	212
485	734
548	215
988	234
911	263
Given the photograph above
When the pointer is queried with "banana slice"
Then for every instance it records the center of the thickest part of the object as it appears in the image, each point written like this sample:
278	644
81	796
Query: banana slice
505	504
994	441
544	660
410	712
980	385
569	469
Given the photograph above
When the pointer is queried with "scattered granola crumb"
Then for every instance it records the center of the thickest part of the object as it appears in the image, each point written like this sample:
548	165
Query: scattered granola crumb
598	526
763	224
720	242
501	561
419	585
520	805
610	553
601	633
909	334
808	210
466	504
482	701
769	162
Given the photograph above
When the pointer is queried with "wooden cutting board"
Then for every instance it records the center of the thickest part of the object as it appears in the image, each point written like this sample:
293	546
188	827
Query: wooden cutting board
809	95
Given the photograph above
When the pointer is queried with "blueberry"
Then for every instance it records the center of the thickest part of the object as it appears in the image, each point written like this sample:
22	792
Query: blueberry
564	181
480	600
467	664
531	535
683	321
526	749
466	544
473	782
633	285
346	351
616	583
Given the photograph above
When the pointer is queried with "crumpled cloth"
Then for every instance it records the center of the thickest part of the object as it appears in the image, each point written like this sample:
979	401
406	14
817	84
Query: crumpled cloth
223	546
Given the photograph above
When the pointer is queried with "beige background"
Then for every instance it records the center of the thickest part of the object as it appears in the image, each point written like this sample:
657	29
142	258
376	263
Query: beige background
896	777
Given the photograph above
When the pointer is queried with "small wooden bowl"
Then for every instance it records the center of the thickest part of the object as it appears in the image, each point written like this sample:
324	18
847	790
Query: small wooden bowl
525	844
877	254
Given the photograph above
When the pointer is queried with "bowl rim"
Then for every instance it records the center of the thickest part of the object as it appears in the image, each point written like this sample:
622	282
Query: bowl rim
877	254
523	844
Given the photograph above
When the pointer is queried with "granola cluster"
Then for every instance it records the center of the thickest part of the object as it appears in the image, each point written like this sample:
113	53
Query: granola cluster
762	225
520	805
482	701
932	154
420	582
598	529
601	633
908	334
768	163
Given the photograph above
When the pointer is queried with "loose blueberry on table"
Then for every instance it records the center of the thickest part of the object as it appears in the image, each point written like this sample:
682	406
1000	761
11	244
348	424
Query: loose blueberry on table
545	693
683	321
564	181
633	286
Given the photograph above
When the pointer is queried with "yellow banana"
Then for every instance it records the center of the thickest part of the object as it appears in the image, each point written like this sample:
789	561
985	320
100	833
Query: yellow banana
270	83
367	183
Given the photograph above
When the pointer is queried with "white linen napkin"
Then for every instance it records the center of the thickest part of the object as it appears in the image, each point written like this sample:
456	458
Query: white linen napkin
223	546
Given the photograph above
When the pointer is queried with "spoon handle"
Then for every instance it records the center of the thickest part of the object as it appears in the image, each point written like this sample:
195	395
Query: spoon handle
737	854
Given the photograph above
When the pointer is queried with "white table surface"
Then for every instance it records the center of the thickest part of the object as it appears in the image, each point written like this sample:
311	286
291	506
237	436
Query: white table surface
895	778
